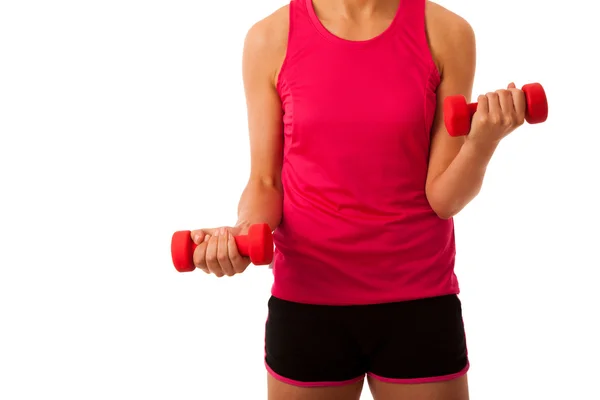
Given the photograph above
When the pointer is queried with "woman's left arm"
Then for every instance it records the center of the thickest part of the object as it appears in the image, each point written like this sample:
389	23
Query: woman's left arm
457	165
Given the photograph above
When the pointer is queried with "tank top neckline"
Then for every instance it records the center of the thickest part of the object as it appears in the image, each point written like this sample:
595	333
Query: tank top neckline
331	36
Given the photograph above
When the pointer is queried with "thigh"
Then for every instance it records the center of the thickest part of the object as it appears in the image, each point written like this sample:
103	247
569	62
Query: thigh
310	346
421	342
453	389
279	390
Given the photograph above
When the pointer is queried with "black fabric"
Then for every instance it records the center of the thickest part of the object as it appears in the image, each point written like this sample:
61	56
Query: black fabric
406	340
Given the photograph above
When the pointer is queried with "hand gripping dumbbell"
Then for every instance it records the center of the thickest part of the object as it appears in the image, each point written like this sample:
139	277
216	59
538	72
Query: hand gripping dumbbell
257	244
458	114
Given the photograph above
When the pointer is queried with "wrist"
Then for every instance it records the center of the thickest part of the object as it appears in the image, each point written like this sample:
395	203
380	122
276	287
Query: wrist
480	148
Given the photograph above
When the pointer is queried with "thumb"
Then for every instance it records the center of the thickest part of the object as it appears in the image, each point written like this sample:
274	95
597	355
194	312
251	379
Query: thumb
511	85
238	230
198	235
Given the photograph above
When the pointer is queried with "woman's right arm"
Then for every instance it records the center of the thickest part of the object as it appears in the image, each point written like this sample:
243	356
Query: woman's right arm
264	50
261	200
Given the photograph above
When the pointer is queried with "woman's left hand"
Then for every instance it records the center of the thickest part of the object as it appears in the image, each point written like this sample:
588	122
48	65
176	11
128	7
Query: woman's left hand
498	114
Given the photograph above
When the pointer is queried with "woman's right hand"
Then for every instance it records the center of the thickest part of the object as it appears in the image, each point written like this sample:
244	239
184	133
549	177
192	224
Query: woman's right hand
217	252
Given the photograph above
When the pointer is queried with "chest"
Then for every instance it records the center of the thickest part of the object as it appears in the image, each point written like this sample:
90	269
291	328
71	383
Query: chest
366	100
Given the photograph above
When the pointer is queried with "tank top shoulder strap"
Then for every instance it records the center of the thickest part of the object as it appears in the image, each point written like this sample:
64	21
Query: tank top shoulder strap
412	12
301	26
413	27
301	35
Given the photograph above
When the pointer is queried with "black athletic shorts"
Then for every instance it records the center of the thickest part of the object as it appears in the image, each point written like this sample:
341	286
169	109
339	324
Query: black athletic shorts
414	341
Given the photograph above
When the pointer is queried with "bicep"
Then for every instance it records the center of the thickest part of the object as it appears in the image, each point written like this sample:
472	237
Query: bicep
263	107
458	72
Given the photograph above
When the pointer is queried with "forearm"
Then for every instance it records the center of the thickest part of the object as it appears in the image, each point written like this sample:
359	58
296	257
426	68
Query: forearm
261	202
453	189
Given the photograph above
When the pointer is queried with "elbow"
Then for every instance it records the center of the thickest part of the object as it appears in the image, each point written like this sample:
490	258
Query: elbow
441	204
449	205
444	211
261	202
445	215
447	197
270	183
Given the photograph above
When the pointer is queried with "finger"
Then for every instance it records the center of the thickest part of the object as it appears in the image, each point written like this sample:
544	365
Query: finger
506	103
200	257
198	235
211	257
520	104
223	252
511	86
495	111
482	105
239	263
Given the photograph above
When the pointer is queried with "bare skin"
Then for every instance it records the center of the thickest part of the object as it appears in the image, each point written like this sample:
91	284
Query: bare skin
455	389
261	200
456	166
282	391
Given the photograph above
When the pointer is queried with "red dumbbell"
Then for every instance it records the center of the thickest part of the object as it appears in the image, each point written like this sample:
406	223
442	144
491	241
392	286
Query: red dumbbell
257	244
458	114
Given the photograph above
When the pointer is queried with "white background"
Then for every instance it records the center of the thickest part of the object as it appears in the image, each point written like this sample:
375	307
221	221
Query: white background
123	121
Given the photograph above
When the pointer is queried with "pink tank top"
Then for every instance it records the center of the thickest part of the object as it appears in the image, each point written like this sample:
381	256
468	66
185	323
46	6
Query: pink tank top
357	227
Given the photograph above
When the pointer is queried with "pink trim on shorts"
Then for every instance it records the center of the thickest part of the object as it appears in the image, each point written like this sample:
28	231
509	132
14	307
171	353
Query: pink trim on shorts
310	384
432	379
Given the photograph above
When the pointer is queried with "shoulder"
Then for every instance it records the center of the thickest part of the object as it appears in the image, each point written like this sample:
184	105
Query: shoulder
450	35
266	40
271	31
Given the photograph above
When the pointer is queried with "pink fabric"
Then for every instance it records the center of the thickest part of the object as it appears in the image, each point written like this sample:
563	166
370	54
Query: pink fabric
357	227
432	379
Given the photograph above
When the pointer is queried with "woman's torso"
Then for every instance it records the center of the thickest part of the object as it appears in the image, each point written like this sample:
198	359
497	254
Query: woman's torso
357	227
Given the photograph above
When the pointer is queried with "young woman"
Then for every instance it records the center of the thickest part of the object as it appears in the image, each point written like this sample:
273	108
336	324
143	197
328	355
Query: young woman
354	171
